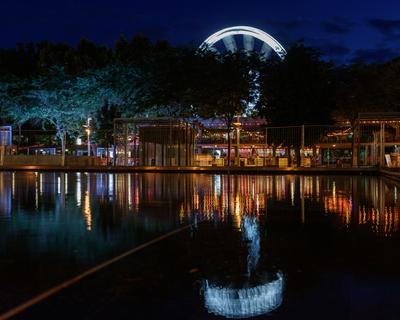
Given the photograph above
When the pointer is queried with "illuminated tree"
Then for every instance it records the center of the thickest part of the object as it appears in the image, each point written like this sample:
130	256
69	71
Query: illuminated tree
65	102
17	101
104	123
227	91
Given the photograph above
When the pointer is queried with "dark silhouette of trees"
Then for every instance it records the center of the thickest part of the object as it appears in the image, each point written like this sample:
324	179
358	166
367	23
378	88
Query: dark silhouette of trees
135	52
367	88
21	61
47	81
298	90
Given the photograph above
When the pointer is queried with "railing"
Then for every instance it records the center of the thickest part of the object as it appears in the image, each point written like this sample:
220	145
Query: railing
369	144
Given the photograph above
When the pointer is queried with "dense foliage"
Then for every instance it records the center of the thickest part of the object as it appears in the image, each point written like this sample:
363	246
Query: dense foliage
59	86
298	90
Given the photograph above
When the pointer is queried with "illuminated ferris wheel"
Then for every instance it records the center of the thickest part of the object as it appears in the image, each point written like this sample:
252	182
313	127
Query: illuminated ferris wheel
243	37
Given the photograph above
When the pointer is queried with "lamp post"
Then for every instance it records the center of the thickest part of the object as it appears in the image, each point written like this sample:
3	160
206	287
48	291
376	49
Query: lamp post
88	141
237	125
88	134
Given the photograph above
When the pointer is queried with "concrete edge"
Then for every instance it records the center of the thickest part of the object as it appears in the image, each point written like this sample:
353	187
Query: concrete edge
216	170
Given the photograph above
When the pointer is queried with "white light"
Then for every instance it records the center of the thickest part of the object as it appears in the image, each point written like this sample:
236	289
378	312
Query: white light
78	189
251	235
248	43
58	185
110	184
246	302
245	31
79	141
217	185
230	43
66	183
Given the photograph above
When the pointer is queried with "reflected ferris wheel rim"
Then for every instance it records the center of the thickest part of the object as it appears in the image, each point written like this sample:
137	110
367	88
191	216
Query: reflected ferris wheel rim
245	31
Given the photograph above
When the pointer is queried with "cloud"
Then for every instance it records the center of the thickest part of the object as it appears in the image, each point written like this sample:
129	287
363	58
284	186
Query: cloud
338	25
374	55
387	27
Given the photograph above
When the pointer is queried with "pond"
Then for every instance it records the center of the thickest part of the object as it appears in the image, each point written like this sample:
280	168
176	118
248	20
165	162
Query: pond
279	247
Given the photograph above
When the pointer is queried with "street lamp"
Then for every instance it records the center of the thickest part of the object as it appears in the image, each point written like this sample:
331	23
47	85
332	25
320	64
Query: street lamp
88	141
237	126
88	134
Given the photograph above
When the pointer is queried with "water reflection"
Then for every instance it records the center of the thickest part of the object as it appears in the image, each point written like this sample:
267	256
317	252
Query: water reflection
360	200
246	302
58	224
258	294
251	236
366	201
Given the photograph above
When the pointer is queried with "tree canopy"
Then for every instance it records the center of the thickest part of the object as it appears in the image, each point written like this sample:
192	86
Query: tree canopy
59	85
298	90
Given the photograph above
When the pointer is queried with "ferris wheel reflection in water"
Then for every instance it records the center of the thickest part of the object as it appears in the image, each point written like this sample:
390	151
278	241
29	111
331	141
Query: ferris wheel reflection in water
246	300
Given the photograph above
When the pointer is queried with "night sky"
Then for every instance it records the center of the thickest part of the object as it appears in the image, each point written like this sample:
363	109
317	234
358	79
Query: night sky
345	30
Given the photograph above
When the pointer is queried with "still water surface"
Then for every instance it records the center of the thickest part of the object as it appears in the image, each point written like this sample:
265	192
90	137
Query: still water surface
268	246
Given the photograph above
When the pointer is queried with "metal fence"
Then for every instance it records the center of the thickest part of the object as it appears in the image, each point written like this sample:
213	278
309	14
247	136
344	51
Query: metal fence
153	142
371	141
310	145
169	142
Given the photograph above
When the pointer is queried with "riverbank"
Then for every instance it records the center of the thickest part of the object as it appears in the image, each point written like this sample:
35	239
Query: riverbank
177	169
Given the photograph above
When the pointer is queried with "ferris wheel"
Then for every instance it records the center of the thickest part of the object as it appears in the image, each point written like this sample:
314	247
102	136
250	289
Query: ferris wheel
253	39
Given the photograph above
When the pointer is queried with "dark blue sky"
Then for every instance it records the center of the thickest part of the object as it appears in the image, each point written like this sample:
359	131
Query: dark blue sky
344	29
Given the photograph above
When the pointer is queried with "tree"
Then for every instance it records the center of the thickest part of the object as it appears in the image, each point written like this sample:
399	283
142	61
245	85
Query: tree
18	101
298	90
76	61
118	85
104	122
227	91
367	88
64	102
134	53
164	87
20	61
